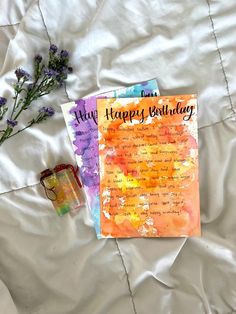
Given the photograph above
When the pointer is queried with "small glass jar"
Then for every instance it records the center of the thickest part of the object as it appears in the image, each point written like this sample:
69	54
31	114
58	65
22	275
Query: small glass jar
62	186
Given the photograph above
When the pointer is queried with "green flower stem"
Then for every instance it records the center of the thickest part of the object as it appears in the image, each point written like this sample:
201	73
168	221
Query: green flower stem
21	130
1	113
31	97
44	80
17	92
19	112
6	134
14	105
38	72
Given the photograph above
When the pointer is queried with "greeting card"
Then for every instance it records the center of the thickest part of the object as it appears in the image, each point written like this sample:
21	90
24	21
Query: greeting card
148	159
81	121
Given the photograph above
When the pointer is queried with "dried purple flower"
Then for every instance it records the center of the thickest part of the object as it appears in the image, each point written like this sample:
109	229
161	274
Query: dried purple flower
20	73
70	69
50	72
30	86
38	58
48	111
2	101
12	123
64	54
48	76
53	48
62	75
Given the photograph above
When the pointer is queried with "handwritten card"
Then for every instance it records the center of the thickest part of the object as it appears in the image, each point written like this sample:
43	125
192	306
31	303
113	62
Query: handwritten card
81	121
148	156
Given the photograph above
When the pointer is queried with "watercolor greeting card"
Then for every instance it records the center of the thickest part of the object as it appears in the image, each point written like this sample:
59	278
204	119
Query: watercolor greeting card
81	121
148	158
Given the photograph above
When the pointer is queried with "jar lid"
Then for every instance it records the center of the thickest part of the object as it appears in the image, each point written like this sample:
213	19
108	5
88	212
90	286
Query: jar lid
45	173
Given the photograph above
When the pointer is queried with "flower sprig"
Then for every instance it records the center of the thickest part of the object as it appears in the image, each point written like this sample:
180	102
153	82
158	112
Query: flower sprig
48	76
3	108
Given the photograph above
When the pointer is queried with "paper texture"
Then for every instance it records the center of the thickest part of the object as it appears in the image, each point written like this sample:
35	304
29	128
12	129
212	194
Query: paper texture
81	121
148	154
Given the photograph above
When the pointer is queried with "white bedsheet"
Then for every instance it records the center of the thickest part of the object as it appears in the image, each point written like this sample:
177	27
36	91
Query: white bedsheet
52	265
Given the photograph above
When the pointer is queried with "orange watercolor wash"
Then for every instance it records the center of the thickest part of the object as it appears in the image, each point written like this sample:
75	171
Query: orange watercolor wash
148	158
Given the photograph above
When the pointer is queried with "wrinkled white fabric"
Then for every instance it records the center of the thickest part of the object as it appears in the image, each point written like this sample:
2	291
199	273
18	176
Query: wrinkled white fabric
6	303
55	265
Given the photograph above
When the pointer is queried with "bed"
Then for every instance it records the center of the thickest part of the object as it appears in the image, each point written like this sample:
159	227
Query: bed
55	265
